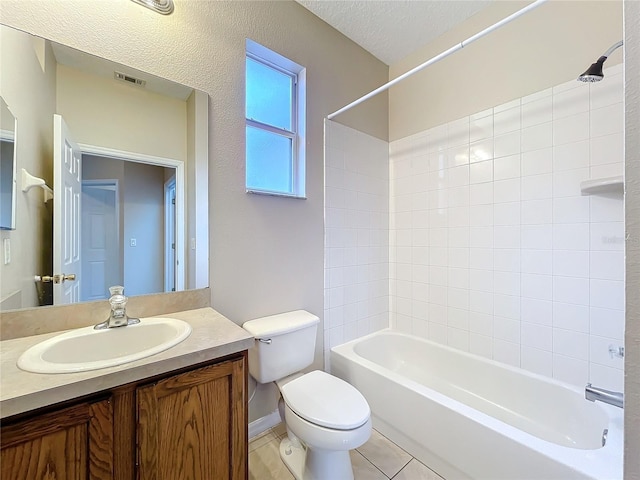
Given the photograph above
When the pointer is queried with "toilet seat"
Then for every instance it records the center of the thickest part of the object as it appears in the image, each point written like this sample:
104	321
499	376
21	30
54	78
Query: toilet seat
327	401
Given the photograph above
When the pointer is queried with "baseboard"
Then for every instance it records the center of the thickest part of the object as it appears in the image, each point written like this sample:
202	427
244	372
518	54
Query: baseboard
263	424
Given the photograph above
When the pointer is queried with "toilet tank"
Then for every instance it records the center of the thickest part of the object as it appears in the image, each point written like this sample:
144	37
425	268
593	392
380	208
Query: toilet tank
284	344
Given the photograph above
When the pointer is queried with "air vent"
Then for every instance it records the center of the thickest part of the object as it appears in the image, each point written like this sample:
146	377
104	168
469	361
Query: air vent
129	79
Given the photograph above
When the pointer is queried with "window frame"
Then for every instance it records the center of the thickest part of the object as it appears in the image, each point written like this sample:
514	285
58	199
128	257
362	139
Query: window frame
260	54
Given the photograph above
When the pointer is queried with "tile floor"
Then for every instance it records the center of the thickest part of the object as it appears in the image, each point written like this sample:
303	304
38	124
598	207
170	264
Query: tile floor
378	459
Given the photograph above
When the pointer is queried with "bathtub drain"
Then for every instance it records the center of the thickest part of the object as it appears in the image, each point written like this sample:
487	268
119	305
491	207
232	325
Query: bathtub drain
604	436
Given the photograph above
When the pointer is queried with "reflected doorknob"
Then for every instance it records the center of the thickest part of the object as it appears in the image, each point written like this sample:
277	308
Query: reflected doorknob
58	278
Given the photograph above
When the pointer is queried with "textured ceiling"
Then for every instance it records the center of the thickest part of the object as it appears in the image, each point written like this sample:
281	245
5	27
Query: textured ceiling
393	29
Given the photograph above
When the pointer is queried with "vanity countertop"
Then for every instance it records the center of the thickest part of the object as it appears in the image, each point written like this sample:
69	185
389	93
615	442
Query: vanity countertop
212	336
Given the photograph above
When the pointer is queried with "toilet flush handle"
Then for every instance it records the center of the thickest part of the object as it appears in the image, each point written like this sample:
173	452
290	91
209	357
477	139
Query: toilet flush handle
265	340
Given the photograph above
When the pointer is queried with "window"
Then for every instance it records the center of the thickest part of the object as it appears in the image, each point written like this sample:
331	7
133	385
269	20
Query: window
274	128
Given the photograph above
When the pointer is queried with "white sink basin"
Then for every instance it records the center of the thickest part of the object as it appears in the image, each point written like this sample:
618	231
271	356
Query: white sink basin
90	349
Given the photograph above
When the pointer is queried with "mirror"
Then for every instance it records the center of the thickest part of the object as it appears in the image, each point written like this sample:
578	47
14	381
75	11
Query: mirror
8	127
141	142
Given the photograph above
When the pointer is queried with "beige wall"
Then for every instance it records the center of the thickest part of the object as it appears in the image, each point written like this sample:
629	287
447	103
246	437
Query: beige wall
548	46
28	87
106	113
266	253
632	214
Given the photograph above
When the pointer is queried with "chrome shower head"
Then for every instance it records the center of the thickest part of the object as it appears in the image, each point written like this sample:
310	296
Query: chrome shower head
594	72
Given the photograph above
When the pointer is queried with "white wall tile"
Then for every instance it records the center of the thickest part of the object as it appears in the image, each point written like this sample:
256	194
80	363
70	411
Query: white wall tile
537	111
605	208
571	317
506	167
567	183
536	286
570	370
507	144
571	263
571	129
506	190
506	121
571	290
506	213
536	361
607	377
537	212
607	236
607	149
571	155
571	210
536	187
537	162
607	294
536	311
570	102
522	267
537	261
607	120
571	344
481	128
506	260
537	137
607	93
481	172
606	322
536	237
481	150
607	265
537	336
506	352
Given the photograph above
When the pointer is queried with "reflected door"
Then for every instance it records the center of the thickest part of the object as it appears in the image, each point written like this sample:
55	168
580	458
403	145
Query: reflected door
100	239
67	189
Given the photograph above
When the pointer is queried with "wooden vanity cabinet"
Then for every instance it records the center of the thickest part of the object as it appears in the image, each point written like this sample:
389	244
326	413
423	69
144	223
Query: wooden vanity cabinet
73	443
190	424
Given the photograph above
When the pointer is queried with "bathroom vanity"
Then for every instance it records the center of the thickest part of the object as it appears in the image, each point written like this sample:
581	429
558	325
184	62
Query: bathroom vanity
181	413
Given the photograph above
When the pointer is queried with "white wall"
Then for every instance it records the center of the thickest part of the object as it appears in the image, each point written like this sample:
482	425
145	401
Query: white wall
28	87
356	235
494	249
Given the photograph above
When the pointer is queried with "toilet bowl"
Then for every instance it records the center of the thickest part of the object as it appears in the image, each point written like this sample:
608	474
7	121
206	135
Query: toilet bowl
325	416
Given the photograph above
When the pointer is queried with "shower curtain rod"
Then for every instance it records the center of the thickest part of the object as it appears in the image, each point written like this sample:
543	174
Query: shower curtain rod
444	54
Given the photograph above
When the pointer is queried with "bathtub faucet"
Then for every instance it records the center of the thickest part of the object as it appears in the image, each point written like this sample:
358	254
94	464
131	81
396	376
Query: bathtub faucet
607	396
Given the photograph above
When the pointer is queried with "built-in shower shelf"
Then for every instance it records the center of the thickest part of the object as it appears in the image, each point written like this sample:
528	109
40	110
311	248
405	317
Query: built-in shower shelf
603	185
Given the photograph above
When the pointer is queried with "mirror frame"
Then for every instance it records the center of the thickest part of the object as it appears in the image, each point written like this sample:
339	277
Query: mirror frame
6	135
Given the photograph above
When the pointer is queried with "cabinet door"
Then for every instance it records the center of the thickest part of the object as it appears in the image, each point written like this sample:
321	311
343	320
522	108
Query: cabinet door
72	443
193	425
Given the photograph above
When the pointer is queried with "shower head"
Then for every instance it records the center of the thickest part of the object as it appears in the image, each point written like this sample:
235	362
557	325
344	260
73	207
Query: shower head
594	72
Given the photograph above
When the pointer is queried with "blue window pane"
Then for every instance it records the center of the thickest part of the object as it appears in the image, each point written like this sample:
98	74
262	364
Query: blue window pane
269	94
269	161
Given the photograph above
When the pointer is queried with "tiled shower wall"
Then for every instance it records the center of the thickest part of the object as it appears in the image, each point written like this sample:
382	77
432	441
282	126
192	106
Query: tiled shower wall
493	249
356	235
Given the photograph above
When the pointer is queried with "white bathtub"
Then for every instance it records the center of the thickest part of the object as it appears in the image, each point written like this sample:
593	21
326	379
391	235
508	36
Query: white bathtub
467	417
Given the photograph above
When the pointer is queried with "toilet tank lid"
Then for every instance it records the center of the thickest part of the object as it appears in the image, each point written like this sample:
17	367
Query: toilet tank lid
280	324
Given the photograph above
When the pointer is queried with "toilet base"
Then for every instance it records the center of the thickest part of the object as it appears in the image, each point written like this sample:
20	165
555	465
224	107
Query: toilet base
308	464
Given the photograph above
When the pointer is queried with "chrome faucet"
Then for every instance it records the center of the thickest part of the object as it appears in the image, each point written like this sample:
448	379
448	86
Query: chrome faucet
118	316
607	396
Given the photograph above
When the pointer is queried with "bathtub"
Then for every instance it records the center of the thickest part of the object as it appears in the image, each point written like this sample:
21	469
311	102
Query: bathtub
467	417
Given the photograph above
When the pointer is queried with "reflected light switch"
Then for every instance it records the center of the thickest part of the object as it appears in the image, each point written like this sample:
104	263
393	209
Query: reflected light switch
133	242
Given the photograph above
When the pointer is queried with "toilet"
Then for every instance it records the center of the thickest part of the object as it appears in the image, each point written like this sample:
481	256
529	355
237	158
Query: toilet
325	416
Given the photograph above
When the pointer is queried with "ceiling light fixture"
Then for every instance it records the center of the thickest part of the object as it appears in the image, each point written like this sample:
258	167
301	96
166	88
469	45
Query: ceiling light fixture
165	7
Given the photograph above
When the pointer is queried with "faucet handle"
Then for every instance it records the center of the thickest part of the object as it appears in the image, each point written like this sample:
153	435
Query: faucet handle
116	290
